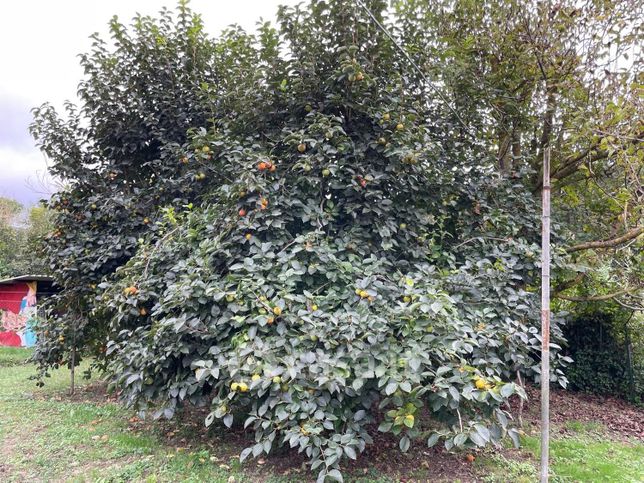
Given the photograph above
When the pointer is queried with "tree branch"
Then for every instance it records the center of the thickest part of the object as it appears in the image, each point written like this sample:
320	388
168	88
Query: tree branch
634	308
572	164
629	235
569	165
568	283
594	298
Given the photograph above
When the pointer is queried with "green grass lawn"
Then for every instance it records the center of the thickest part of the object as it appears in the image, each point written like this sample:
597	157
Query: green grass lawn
581	457
45	435
10	356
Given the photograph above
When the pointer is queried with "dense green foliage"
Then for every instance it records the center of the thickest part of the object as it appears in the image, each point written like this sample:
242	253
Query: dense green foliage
294	229
21	236
113	155
9	240
608	350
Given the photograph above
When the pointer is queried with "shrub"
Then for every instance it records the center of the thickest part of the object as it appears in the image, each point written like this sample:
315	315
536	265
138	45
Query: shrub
606	348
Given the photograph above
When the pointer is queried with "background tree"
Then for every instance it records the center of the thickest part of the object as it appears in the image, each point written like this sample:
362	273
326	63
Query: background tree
9	236
570	74
21	236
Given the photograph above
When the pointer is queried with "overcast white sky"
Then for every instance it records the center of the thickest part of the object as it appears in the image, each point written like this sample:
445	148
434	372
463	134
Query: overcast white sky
39	42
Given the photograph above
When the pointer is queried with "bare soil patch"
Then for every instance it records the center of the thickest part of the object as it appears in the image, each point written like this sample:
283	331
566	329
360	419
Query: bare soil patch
620	419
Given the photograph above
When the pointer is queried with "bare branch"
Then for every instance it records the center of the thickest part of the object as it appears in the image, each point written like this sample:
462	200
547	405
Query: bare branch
629	235
634	308
595	298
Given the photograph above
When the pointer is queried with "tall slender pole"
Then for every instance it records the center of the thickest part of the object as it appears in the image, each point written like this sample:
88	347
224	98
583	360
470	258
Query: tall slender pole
545	317
72	360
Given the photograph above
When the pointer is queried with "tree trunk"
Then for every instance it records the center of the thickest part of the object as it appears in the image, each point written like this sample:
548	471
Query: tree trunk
544	143
503	156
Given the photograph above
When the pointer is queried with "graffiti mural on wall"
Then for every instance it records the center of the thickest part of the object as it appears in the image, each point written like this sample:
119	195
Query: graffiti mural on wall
16	329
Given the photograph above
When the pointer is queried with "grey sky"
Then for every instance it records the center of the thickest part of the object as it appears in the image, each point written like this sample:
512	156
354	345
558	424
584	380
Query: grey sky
39	42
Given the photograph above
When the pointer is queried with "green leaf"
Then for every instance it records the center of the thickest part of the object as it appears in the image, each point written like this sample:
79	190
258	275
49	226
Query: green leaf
404	444
476	438
357	384
350	452
433	439
228	420
335	475
209	419
200	373
514	436
460	439
507	390
245	454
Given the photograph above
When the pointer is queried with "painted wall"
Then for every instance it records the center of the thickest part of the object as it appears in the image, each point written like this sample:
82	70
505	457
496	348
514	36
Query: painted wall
18	306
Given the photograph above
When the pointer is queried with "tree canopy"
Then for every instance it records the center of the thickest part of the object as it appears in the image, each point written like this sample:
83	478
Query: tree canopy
301	229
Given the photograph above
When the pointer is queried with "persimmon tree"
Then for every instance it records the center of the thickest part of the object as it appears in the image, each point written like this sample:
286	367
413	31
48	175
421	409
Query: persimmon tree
140	95
290	229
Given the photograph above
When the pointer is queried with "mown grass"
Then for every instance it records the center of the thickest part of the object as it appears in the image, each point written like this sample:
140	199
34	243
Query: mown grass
10	356
585	457
585	454
45	436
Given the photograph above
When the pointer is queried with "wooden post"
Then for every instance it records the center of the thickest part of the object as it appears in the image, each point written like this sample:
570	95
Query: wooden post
73	360
629	356
545	317
72	370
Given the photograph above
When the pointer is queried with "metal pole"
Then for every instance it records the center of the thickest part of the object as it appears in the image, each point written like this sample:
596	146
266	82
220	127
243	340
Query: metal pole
545	317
